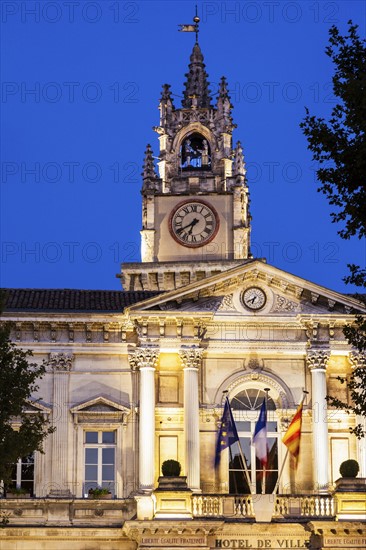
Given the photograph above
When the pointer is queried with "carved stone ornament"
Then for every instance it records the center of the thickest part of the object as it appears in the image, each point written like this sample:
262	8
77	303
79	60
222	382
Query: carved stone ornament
357	360
284	304
227	303
252	379
317	359
254	364
143	357
191	357
61	361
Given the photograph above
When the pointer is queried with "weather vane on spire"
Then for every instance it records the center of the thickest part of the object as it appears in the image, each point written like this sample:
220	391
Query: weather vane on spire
192	28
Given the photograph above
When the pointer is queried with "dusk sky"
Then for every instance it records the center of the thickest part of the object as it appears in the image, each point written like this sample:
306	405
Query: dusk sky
81	82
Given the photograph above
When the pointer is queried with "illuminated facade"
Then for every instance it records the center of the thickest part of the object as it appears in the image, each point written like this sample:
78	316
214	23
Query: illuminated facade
139	376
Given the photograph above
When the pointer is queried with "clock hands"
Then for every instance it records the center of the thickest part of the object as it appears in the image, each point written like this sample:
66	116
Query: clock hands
191	225
252	300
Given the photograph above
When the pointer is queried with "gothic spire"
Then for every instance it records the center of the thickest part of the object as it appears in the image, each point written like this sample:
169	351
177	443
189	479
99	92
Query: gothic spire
196	93
166	105
223	99
166	94
239	164
224	107
149	176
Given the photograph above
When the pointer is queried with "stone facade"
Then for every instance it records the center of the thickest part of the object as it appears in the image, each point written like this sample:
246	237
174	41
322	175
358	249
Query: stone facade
138	377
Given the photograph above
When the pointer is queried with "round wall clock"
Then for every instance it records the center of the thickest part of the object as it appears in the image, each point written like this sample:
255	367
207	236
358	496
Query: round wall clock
193	223
254	298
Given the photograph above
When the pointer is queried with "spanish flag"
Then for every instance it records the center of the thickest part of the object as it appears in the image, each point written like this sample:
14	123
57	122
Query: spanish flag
293	435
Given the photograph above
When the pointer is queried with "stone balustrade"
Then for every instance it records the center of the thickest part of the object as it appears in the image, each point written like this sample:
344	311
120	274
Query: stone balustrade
286	506
65	512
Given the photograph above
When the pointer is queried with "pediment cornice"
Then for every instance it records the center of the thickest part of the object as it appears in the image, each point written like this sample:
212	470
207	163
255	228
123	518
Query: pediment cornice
289	293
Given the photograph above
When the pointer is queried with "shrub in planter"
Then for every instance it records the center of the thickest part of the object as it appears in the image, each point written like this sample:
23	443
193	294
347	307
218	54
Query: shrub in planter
17	492
349	468
99	492
171	468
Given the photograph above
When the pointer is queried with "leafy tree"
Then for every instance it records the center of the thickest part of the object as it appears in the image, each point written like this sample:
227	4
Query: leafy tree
17	383
339	146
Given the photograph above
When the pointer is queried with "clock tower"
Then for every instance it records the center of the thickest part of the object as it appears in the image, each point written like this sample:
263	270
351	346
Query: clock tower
195	210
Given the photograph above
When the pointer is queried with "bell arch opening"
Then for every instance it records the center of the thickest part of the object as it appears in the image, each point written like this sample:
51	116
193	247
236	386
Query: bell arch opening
195	153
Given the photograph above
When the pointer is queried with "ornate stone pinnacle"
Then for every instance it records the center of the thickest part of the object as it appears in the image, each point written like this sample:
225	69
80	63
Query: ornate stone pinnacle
148	165
166	94
149	176
196	85
239	164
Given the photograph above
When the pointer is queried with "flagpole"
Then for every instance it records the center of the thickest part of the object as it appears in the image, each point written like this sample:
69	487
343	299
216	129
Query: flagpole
240	450
264	466
280	474
245	467
287	452
232	462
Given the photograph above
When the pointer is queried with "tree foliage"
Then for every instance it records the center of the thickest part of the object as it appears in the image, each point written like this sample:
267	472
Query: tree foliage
339	146
21	433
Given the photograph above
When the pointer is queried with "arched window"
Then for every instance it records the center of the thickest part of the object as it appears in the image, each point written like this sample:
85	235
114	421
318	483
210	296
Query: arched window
245	406
195	153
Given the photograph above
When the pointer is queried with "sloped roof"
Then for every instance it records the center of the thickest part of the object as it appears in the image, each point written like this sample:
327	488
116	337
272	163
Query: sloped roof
66	299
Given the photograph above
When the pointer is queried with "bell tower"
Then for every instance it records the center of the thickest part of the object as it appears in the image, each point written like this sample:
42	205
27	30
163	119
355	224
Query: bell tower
195	210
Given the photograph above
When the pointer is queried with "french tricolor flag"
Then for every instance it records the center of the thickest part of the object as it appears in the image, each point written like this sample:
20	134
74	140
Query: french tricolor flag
260	435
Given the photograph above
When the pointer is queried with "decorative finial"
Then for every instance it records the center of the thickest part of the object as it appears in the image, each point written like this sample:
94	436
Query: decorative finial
192	28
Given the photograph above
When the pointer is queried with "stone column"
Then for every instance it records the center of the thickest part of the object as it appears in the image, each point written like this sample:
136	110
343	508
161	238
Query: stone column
146	359
191	360
61	364
317	362
358	361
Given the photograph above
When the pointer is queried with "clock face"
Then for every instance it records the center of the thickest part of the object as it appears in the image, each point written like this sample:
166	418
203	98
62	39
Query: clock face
193	223
254	298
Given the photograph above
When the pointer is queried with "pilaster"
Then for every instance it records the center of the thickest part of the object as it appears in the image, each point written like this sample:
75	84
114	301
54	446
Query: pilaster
61	365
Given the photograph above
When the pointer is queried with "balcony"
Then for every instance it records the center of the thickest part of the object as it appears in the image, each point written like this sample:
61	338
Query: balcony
66	512
286	507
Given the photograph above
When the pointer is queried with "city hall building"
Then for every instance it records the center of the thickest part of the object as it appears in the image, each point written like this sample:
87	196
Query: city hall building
138	376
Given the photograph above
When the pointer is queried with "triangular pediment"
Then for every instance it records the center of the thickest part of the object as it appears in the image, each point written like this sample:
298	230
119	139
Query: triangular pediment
283	293
37	407
99	405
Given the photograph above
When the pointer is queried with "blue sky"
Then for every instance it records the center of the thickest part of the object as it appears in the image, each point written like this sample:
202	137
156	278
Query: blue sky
80	89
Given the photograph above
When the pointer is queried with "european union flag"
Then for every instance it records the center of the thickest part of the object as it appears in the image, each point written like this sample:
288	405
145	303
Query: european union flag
227	434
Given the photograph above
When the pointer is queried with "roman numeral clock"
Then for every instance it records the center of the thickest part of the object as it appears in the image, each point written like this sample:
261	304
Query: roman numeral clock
193	223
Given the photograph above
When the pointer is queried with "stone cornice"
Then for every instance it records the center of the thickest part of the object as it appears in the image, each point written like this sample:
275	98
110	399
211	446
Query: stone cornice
254	270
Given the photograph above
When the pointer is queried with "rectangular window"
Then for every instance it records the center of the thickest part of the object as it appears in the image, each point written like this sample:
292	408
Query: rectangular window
100	460
22	476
